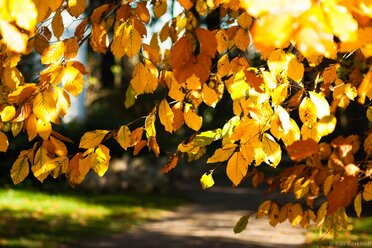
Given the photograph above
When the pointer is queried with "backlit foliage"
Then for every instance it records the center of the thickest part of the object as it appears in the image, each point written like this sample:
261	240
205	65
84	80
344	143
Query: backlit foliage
281	64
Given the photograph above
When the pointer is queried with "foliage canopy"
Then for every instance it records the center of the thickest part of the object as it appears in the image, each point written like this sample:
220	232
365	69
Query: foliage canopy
288	67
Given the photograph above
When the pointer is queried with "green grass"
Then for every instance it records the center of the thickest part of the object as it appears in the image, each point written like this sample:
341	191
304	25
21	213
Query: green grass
359	234
36	219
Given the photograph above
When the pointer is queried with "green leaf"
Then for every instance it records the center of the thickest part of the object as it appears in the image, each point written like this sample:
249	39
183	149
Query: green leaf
206	180
206	138
241	225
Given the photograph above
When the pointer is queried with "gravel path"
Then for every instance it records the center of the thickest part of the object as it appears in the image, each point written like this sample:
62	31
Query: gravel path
208	223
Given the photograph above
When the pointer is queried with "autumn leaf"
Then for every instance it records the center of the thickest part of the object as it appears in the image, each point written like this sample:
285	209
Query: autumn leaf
301	149
43	164
172	163
100	161
76	7
4	143
92	139
222	154
206	180
53	53
237	168
72	80
192	120
343	192
166	115
78	168
272	150
308	111
123	137
44	106
358	204
20	168
57	25
367	192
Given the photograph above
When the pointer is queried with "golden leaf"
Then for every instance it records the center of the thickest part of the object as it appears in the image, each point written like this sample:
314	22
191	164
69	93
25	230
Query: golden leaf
77	169
72	80
99	40
365	89
144	78
206	180
274	214
4	143
15	40
277	62
308	111
179	119
30	125
295	69
62	166
24	12
222	40
367	192
62	99
60	147
101	160
76	7
150	124
142	12
279	94
186	4
160	7
154	146
223	66
192	120
222	154
242	39
236	168
92	139
172	163
124	137
322	213
44	129
7	113
207	42
358	204
273	153
57	25
210	96
17	127
263	209
257	179
134	41
12	78
247	150
166	115
44	106
321	104
138	147
245	20
53	53
283	213
20	168
43	164
295	214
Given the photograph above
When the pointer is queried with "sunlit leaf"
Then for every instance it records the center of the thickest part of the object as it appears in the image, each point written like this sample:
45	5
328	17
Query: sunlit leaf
222	154
92	139
20	168
166	115
206	180
236	168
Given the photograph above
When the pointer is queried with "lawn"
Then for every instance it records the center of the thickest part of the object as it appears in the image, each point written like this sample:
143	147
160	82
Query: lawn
36	219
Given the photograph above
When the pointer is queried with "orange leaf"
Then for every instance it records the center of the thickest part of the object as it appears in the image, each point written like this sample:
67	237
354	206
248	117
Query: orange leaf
57	25
222	154
343	192
138	147
301	149
172	163
237	168
166	116
207	41
76	7
53	53
192	120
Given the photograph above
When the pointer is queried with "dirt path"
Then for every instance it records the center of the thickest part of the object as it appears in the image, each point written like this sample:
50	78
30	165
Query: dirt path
208	223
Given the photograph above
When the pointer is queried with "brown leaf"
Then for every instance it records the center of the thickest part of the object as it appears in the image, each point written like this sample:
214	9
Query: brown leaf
301	149
172	163
343	192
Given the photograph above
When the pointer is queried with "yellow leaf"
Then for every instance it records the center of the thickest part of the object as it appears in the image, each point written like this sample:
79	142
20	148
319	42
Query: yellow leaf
62	99
62	166
237	86
126	40
308	111
44	106
326	125
367	192
30	125
145	78
321	104
166	115
310	131
247	150
210	96
358	204
237	168
76	7
206	180
43	164
92	139
57	25
8	113
295	69
17	127
60	147
4	143
365	89
150	124
20	168
72	80
192	120
44	129
24	12
242	39
12	78
223	66
273	153
123	137
77	169
193	83
222	154
295	214
322	213
130	97
13	38
53	53
101	160
279	94
277	62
